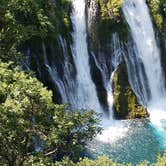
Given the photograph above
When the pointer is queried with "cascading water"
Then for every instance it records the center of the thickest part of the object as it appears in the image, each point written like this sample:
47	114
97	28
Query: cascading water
118	137
113	129
136	73
86	92
64	84
138	18
87	95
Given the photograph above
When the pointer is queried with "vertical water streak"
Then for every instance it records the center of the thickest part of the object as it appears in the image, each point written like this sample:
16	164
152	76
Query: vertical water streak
136	73
67	78
138	18
52	70
116	53
63	83
86	92
137	15
116	58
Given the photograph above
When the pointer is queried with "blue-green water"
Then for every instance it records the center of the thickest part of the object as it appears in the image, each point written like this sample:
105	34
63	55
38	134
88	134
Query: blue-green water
140	142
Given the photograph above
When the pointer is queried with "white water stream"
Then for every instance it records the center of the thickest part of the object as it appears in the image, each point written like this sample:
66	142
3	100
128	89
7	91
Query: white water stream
87	95
137	15
147	51
86	91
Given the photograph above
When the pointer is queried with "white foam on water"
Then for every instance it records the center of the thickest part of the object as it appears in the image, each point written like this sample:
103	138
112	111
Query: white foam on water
137	15
158	116
113	131
158	119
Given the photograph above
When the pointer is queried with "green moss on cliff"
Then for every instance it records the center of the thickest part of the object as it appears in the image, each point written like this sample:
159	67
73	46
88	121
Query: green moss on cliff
158	12
111	20
125	101
110	9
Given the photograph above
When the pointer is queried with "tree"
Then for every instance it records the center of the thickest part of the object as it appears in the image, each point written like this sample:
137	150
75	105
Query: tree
26	21
31	124
20	21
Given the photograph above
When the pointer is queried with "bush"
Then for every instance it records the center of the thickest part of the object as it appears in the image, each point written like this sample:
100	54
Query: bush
31	124
105	161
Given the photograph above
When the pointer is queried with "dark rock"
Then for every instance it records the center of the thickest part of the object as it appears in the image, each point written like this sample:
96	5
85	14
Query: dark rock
125	104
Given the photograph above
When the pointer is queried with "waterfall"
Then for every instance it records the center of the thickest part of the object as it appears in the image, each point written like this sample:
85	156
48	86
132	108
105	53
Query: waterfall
86	91
138	18
63	83
136	73
114	130
148	55
117	53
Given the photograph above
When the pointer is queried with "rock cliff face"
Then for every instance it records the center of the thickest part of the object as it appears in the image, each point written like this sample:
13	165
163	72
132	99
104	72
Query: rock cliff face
107	34
108	43
126	105
51	60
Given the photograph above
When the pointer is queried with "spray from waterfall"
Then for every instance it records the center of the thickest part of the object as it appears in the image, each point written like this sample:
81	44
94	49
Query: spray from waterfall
86	91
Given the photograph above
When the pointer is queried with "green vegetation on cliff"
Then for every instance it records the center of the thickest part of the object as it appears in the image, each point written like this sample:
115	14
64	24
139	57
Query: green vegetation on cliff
111	20
28	20
110	9
125	101
158	12
30	27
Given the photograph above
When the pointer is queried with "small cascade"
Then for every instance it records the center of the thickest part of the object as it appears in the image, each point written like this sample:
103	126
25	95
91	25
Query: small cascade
113	130
64	84
117	53
86	91
136	73
54	75
148	55
116	57
68	78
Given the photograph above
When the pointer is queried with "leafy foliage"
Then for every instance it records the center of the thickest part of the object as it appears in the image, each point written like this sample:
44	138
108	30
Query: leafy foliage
158	11
111	9
112	20
100	161
24	20
31	124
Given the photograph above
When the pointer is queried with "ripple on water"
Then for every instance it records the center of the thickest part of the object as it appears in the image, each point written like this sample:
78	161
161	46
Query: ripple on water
128	141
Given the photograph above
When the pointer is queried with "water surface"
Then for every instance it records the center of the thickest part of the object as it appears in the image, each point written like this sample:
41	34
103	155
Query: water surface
130	141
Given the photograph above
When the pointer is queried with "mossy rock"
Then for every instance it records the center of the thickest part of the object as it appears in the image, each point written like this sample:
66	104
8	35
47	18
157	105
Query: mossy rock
158	12
125	101
107	20
139	112
111	20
